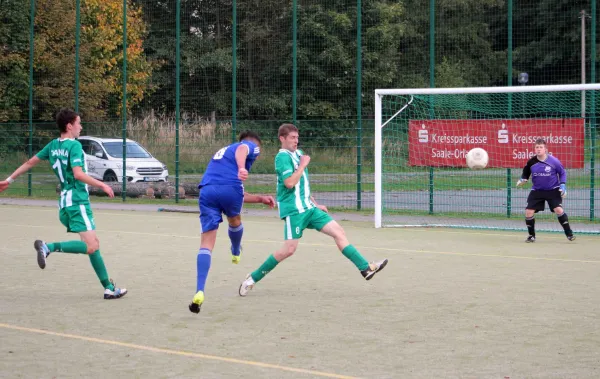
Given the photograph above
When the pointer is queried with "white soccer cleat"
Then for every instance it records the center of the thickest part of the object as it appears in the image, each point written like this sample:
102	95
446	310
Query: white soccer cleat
374	268
246	285
116	293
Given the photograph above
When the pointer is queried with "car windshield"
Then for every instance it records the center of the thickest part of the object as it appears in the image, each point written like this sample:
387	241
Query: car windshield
115	149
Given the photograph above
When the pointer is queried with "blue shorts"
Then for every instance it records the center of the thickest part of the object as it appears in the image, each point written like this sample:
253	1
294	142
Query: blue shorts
214	200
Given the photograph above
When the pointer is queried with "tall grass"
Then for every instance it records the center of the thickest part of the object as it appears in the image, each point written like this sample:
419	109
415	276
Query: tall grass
200	138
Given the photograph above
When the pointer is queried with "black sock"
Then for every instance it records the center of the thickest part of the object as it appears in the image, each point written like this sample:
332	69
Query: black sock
564	222
530	222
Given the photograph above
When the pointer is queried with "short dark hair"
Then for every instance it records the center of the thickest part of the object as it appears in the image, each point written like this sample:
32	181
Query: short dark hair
246	134
286	129
540	141
64	117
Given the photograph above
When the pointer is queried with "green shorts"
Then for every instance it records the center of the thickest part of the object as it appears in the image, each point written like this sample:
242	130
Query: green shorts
77	218
312	219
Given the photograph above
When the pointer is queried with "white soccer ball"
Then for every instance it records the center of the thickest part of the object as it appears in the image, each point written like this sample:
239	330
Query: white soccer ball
477	158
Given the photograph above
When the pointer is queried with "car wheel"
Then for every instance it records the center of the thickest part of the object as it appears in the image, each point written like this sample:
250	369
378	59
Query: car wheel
110	176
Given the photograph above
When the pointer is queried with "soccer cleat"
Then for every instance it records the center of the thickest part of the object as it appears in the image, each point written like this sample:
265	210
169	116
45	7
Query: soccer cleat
197	302
235	259
246	285
571	237
114	294
42	252
371	271
530	239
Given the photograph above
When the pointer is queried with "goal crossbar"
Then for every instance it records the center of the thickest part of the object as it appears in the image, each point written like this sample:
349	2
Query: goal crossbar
473	90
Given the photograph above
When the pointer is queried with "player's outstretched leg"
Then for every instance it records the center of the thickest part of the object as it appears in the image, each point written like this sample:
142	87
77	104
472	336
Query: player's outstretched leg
42	252
44	249
530	222
374	268
268	265
203	261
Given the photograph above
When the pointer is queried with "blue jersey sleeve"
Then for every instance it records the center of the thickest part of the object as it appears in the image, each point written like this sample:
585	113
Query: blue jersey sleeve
253	153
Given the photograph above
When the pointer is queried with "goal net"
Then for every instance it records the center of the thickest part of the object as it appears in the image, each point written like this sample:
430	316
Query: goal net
423	135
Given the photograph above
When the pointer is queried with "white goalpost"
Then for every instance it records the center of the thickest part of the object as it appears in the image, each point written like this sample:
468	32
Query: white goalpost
422	136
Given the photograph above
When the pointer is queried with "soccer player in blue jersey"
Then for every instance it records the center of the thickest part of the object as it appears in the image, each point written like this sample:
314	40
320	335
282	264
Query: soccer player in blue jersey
549	180
222	192
67	160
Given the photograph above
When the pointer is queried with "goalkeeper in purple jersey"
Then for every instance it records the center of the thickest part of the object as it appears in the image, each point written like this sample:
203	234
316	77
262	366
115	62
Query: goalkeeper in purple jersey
549	180
222	192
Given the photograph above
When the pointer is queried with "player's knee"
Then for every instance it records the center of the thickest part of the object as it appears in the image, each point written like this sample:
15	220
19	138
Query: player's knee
559	211
92	246
234	221
288	251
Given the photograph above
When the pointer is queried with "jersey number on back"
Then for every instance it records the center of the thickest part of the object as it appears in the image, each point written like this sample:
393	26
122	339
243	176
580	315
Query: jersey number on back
219	154
56	165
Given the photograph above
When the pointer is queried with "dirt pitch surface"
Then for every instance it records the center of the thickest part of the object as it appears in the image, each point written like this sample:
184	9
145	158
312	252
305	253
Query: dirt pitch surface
451	303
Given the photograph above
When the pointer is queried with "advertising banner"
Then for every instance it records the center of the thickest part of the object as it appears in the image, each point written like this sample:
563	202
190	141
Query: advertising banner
509	143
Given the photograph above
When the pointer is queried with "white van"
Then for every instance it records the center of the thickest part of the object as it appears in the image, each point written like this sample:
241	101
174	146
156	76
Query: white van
104	158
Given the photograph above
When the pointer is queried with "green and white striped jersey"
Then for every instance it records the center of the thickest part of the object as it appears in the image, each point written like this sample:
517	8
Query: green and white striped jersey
291	201
63	155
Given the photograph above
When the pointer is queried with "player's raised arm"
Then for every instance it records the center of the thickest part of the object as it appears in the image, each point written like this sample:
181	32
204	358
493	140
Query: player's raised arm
293	179
32	162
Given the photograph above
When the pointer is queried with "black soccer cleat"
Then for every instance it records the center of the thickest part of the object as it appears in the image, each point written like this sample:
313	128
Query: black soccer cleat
194	308
571	237
369	273
530	239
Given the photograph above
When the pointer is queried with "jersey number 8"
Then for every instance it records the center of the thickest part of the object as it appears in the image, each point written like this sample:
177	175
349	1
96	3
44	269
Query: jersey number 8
219	154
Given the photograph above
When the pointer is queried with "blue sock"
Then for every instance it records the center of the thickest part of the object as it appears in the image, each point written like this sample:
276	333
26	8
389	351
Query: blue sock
235	235
203	265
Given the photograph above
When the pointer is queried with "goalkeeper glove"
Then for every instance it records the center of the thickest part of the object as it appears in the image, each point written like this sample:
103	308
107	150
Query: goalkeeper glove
521	182
563	190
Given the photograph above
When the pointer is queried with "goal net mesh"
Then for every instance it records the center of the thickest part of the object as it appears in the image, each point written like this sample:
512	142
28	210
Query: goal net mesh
425	137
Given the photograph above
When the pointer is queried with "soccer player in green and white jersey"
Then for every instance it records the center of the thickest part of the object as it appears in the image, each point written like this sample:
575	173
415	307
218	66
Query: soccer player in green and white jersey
300	211
68	163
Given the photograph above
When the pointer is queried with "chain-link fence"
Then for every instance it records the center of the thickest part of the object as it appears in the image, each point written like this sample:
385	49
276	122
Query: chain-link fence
182	91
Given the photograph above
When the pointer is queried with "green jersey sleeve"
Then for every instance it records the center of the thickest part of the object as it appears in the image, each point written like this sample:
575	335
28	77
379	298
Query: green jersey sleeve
44	154
76	155
284	166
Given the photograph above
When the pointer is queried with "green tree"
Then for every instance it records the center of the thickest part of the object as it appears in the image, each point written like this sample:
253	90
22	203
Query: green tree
14	49
101	55
547	40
